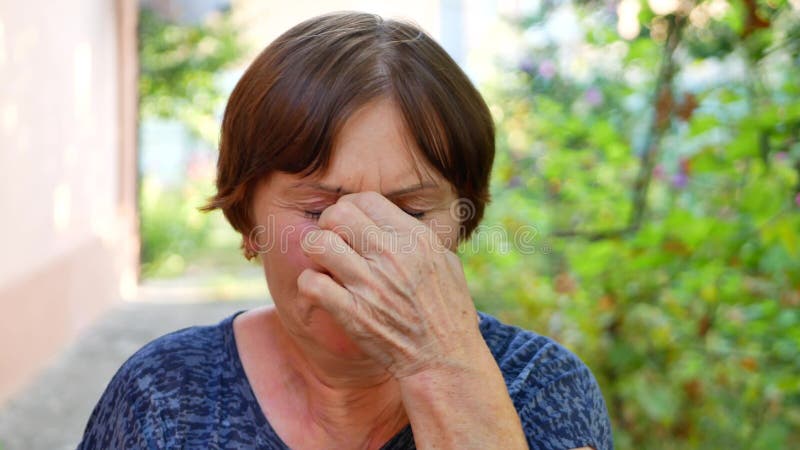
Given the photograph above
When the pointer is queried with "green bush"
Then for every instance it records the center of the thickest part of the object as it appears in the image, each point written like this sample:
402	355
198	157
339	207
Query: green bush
666	215
179	69
176	235
179	66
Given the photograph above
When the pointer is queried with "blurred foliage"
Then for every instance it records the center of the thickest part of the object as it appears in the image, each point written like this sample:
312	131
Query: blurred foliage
174	233
179	66
649	189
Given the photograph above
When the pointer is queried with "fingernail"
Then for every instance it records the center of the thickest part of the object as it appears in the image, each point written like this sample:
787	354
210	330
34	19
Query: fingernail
310	242
312	236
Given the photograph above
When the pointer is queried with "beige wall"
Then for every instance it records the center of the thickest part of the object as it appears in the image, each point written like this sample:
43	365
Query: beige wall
67	174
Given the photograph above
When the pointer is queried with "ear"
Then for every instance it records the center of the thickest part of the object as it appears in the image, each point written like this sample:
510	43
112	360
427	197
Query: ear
249	248
258	240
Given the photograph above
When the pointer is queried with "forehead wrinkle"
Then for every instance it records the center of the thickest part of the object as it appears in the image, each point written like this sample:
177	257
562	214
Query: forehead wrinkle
341	181
377	179
381	190
418	163
330	180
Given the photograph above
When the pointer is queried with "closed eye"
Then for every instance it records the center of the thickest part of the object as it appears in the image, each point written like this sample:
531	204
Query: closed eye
416	215
314	215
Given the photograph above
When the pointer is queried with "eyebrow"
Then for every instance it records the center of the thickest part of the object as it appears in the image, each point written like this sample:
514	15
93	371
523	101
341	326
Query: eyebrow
338	190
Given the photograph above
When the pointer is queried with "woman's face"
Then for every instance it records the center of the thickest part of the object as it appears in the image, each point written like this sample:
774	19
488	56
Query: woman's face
373	152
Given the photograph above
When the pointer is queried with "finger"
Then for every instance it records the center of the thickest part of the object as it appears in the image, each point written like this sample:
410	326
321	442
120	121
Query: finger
380	210
330	251
351	313
454	265
353	226
322	291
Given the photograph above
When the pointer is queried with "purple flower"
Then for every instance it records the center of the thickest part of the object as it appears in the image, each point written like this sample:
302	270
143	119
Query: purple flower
514	182
593	96
797	199
526	65
781	156
680	180
547	69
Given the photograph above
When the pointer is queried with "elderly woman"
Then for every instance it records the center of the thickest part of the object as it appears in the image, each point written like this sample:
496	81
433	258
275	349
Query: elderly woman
350	149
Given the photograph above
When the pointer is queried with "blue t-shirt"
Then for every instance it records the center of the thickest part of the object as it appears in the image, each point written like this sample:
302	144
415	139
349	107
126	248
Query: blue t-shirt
188	390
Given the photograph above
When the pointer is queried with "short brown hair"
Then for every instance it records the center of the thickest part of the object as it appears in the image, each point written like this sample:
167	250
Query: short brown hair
285	112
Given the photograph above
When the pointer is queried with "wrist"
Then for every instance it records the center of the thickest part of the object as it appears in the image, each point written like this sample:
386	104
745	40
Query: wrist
471	362
462	404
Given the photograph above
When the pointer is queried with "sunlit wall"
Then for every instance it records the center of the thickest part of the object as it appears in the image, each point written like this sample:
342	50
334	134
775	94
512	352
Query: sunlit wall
67	174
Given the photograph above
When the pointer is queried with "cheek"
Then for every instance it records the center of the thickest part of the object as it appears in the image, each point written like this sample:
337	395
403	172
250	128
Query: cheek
285	260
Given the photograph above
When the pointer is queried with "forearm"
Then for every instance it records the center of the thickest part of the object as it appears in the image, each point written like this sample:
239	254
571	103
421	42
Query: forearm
462	406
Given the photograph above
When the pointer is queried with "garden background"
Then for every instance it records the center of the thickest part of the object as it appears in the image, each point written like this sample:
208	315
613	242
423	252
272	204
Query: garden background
645	200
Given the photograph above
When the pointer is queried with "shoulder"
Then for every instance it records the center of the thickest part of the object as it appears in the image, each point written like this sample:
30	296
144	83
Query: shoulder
141	405
528	360
556	395
174	361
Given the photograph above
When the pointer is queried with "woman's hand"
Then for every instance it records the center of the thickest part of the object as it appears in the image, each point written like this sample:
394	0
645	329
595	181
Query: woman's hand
398	292
401	295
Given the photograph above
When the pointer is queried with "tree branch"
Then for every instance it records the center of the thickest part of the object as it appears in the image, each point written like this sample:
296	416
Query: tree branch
662	115
651	147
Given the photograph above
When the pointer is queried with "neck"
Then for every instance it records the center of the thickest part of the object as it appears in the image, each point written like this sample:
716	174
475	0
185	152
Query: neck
345	397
